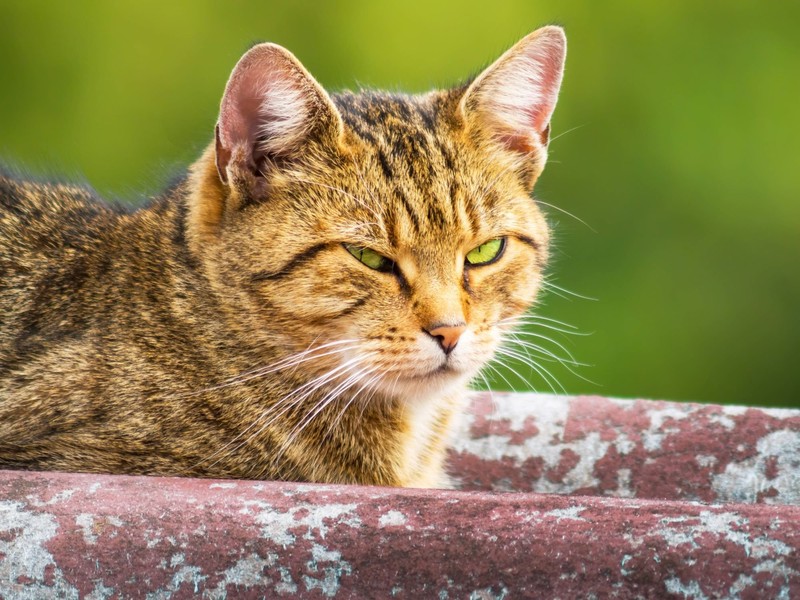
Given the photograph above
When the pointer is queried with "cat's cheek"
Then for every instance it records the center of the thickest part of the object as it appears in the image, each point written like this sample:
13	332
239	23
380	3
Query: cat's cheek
509	291
473	357
307	313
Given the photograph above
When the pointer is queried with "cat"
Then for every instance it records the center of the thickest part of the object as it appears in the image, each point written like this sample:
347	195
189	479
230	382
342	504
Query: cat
308	303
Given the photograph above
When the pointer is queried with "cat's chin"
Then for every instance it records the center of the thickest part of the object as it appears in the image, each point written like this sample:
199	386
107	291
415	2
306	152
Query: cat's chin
441	382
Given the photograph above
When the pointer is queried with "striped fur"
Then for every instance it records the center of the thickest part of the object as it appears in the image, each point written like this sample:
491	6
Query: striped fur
223	330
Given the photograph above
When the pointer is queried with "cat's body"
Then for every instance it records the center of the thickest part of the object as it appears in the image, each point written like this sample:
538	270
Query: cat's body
309	303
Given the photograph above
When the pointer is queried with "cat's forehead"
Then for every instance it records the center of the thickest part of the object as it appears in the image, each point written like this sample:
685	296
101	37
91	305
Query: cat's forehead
382	116
421	176
410	161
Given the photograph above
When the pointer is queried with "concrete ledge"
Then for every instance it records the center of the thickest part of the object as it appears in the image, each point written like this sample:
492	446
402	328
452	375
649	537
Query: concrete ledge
72	535
590	445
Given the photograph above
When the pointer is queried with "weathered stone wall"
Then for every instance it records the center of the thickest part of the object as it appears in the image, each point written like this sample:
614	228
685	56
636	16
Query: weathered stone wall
568	498
590	445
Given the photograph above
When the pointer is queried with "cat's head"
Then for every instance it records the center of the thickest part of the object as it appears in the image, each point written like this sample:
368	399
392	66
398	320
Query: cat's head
396	234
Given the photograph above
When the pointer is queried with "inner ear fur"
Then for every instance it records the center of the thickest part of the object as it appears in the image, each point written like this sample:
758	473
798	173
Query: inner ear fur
271	111
510	103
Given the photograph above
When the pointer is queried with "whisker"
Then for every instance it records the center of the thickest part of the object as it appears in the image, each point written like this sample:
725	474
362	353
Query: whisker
310	387
555	288
567	364
318	407
541	317
563	133
547	353
531	322
349	382
286	362
552	341
371	382
293	364
569	214
500	373
543	373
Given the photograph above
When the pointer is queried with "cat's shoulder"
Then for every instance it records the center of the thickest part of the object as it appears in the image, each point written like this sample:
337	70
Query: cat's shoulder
35	211
23	193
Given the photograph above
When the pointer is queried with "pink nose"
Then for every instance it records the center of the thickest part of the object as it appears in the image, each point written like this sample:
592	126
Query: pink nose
447	335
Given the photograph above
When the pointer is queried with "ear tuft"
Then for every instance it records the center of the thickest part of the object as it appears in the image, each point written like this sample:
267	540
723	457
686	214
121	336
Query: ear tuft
514	99
270	108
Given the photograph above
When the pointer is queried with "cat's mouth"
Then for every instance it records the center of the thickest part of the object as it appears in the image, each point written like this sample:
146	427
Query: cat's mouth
445	368
421	373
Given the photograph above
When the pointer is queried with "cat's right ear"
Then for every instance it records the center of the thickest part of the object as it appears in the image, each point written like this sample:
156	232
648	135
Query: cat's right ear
271	109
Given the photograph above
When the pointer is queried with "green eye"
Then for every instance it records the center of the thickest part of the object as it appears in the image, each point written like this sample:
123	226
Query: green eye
369	257
486	253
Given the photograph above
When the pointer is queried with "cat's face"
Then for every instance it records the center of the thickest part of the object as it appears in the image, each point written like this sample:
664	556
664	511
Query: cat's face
395	236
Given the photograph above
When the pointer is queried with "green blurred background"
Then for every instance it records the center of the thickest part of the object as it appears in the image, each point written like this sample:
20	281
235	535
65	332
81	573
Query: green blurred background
680	123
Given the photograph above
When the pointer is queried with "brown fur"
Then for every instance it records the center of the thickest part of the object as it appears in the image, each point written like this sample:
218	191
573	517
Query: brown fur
151	341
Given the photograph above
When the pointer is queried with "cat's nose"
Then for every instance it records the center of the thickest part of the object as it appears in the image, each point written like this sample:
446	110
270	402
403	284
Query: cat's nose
447	335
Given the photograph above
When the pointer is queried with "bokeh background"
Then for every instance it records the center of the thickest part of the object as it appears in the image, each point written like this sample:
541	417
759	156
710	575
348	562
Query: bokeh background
677	150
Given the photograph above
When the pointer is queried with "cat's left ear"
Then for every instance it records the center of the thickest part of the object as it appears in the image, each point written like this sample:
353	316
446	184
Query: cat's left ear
272	108
513	99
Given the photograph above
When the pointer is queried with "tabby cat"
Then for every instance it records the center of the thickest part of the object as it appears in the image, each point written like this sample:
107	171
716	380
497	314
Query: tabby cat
309	303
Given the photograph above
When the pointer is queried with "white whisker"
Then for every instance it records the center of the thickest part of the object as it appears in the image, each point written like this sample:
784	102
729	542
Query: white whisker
563	133
569	214
555	289
552	341
284	363
545	353
543	373
282	406
517	337
500	373
531	320
318	407
372	381
539	317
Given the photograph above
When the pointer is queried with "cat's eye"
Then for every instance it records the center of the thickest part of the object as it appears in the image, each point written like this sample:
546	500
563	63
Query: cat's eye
369	257
486	253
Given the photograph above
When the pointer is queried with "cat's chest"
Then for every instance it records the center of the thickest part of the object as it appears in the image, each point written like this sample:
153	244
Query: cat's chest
425	437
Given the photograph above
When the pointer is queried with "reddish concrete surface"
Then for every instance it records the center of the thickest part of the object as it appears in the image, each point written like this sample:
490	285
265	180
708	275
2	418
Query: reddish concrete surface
629	449
71	536
88	536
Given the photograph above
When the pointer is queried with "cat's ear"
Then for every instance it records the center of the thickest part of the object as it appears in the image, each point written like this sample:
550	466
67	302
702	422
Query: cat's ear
513	99
270	110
